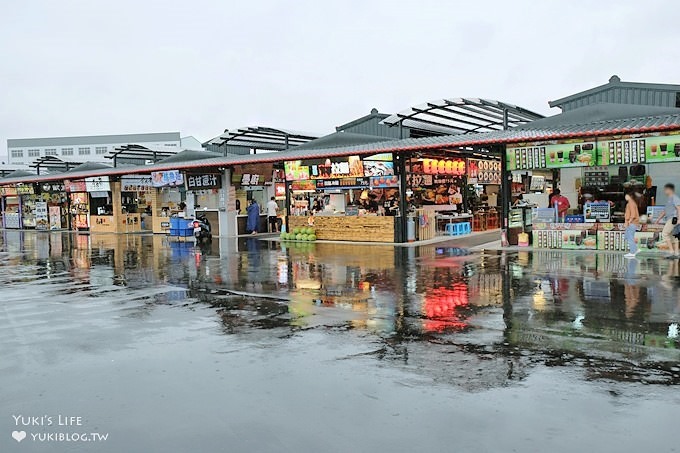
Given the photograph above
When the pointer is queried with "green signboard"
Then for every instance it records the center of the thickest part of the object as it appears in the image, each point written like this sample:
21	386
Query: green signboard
627	150
552	155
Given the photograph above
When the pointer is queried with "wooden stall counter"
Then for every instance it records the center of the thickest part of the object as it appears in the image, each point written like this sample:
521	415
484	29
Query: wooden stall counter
103	224
130	223
242	222
349	228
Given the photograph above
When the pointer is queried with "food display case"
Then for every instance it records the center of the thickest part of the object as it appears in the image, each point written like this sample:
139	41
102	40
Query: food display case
519	221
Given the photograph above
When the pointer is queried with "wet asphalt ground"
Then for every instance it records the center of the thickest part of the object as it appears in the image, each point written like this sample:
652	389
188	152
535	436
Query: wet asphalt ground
258	346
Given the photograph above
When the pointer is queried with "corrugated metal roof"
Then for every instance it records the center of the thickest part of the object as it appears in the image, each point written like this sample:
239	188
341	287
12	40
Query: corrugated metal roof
614	84
339	139
645	124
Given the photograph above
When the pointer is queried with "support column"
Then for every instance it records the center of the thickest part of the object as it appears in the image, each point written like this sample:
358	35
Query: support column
403	206
506	188
117	203
227	219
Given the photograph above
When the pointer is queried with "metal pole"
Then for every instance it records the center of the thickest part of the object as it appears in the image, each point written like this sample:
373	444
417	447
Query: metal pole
506	187
287	206
401	128
505	119
401	166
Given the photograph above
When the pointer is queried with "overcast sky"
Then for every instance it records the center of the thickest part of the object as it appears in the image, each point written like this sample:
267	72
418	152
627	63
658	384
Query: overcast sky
91	67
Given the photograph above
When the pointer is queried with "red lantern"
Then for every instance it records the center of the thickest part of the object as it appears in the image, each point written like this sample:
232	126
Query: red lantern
427	166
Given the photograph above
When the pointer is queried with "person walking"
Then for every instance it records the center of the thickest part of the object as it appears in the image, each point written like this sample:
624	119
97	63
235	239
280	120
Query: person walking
253	223
671	213
631	222
272	215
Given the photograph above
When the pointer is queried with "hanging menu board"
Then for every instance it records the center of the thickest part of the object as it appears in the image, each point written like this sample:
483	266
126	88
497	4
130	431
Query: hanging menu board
484	171
527	158
623	152
555	155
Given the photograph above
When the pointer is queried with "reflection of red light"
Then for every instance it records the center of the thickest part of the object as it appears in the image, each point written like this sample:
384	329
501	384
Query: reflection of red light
441	306
440	326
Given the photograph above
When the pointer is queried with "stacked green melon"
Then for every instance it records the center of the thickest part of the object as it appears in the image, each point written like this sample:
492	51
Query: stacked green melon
300	234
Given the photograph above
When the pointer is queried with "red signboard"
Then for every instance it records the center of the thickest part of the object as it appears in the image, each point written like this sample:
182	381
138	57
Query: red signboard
303	185
75	186
280	189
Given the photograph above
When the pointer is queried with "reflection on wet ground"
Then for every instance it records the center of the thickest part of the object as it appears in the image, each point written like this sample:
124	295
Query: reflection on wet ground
433	317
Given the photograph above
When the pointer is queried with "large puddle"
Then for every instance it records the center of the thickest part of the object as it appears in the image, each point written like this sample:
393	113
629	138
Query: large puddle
261	345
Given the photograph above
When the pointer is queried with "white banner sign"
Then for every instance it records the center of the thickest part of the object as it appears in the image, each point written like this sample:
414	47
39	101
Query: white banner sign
141	183
97	184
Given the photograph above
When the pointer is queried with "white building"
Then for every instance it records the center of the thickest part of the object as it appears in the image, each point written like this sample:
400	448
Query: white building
91	148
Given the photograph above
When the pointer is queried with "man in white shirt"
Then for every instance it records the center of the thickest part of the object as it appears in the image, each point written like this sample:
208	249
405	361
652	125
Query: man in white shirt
272	214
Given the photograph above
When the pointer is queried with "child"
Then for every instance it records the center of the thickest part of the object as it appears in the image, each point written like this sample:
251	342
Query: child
310	219
632	221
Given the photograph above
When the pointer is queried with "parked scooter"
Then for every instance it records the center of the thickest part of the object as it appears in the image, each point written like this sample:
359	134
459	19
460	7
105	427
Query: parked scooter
202	230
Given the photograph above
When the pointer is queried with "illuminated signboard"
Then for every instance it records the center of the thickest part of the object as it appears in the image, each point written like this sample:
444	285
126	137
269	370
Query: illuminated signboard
484	171
169	178
378	168
352	167
295	171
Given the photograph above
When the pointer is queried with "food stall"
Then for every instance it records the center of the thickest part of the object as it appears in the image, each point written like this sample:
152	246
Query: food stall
167	193
11	207
26	193
346	199
79	205
444	196
594	175
103	216
137	203
206	188
252	182
54	194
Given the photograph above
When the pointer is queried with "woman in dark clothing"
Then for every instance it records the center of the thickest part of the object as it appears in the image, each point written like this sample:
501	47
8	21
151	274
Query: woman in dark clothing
253	223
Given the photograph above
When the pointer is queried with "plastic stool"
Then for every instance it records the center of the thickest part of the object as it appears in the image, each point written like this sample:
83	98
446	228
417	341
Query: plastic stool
467	228
451	229
462	228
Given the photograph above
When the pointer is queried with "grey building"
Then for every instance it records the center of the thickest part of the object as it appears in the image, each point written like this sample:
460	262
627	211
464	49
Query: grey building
619	92
90	148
